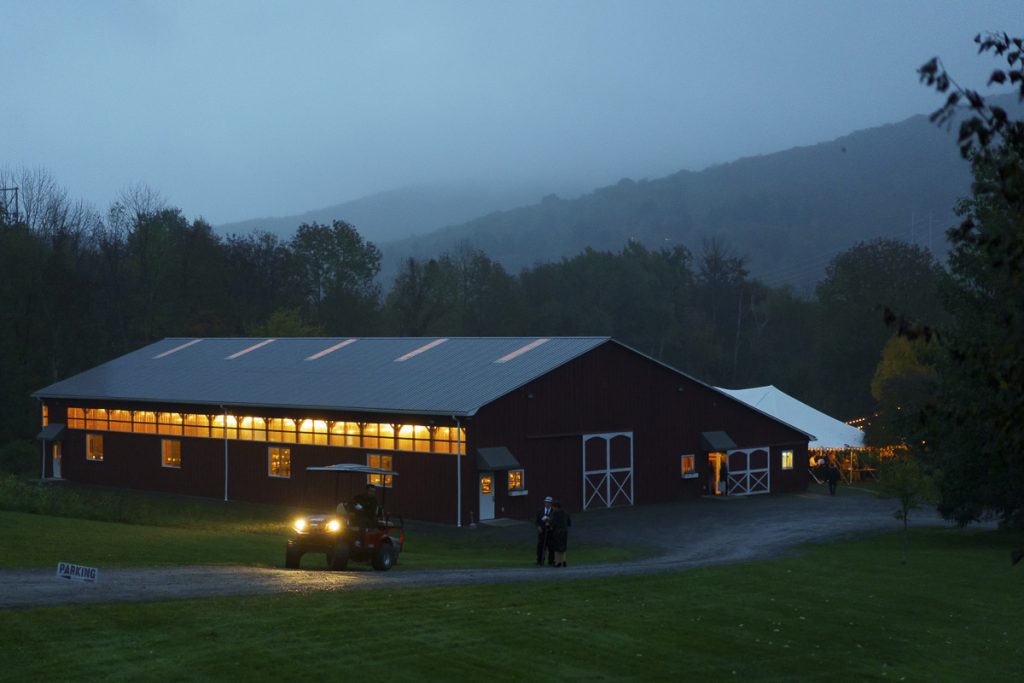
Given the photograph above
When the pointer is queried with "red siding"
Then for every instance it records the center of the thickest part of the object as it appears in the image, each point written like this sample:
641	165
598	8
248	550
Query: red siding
609	389
612	389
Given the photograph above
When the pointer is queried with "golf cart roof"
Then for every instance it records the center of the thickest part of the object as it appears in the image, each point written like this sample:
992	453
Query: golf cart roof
351	467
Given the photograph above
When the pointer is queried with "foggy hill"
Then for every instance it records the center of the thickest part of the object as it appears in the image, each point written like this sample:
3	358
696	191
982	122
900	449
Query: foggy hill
789	212
399	213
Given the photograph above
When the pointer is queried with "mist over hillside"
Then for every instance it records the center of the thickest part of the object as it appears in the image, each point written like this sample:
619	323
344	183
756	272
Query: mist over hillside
787	212
403	212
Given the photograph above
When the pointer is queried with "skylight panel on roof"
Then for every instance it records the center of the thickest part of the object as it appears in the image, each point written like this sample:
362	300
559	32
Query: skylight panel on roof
251	348
521	350
177	348
425	347
331	349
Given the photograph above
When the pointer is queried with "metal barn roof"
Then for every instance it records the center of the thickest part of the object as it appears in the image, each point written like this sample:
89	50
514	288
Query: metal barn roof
435	376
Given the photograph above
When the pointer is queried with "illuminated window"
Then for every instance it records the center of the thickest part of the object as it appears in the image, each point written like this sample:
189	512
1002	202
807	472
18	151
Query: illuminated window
375	435
170	453
687	465
120	420
46	415
94	447
516	480
447	440
413	438
95	418
383	462
252	429
403	438
313	432
197	425
386	436
279	461
787	460
170	423
345	434
378	436
144	422
226	426
486	485
281	429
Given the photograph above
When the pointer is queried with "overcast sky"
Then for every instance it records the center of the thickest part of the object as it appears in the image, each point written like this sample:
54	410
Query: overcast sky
235	110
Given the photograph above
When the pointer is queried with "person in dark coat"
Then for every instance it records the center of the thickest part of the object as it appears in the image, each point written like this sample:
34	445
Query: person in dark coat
560	523
364	507
832	477
544	533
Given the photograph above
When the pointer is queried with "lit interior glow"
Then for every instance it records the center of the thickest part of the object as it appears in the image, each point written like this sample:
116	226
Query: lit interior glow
94	447
787	460
383	462
310	431
170	453
279	462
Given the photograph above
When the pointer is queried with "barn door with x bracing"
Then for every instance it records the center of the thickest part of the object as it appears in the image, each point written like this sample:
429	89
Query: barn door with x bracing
749	472
607	470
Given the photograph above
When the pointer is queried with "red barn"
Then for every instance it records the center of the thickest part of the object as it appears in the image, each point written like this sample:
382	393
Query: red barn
476	428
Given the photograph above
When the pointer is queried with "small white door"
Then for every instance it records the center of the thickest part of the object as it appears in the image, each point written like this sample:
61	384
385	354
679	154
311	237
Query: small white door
56	461
487	495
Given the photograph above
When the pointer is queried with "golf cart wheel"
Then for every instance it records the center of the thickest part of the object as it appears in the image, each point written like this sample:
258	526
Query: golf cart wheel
292	559
337	559
384	557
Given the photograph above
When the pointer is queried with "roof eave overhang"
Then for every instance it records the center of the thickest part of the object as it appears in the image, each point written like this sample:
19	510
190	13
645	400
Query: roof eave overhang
447	412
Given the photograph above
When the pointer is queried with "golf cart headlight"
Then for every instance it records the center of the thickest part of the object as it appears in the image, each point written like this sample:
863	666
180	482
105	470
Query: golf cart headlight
300	524
334	525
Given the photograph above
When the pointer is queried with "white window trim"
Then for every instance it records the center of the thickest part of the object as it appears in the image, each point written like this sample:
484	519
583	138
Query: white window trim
88	456
279	446
692	474
163	462
517	492
383	477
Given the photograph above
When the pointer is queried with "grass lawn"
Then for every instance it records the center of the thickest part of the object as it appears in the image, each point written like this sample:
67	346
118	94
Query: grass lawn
842	611
41	525
30	540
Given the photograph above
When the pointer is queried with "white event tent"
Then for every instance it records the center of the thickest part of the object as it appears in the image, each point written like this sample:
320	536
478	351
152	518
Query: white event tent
829	432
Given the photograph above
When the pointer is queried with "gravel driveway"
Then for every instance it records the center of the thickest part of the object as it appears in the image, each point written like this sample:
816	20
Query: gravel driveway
692	534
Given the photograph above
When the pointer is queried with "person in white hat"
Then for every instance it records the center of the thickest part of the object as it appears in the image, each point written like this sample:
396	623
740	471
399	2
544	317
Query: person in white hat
544	533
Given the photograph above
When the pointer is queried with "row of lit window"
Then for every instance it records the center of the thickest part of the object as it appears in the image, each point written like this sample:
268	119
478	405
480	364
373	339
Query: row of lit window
382	435
170	450
688	465
516	482
279	459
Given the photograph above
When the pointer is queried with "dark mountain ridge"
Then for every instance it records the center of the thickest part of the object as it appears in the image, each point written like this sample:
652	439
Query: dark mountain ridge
399	213
788	212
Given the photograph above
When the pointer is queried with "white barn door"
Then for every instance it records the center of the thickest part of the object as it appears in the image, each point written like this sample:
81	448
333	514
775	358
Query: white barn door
607	470
749	472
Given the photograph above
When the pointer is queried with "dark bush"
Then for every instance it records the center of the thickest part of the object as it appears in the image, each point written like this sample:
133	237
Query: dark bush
20	458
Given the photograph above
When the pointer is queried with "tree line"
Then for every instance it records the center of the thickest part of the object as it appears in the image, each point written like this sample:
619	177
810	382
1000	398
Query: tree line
81	288
933	352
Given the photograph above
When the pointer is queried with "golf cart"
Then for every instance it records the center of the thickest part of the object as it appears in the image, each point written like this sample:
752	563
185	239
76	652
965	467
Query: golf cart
362	534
